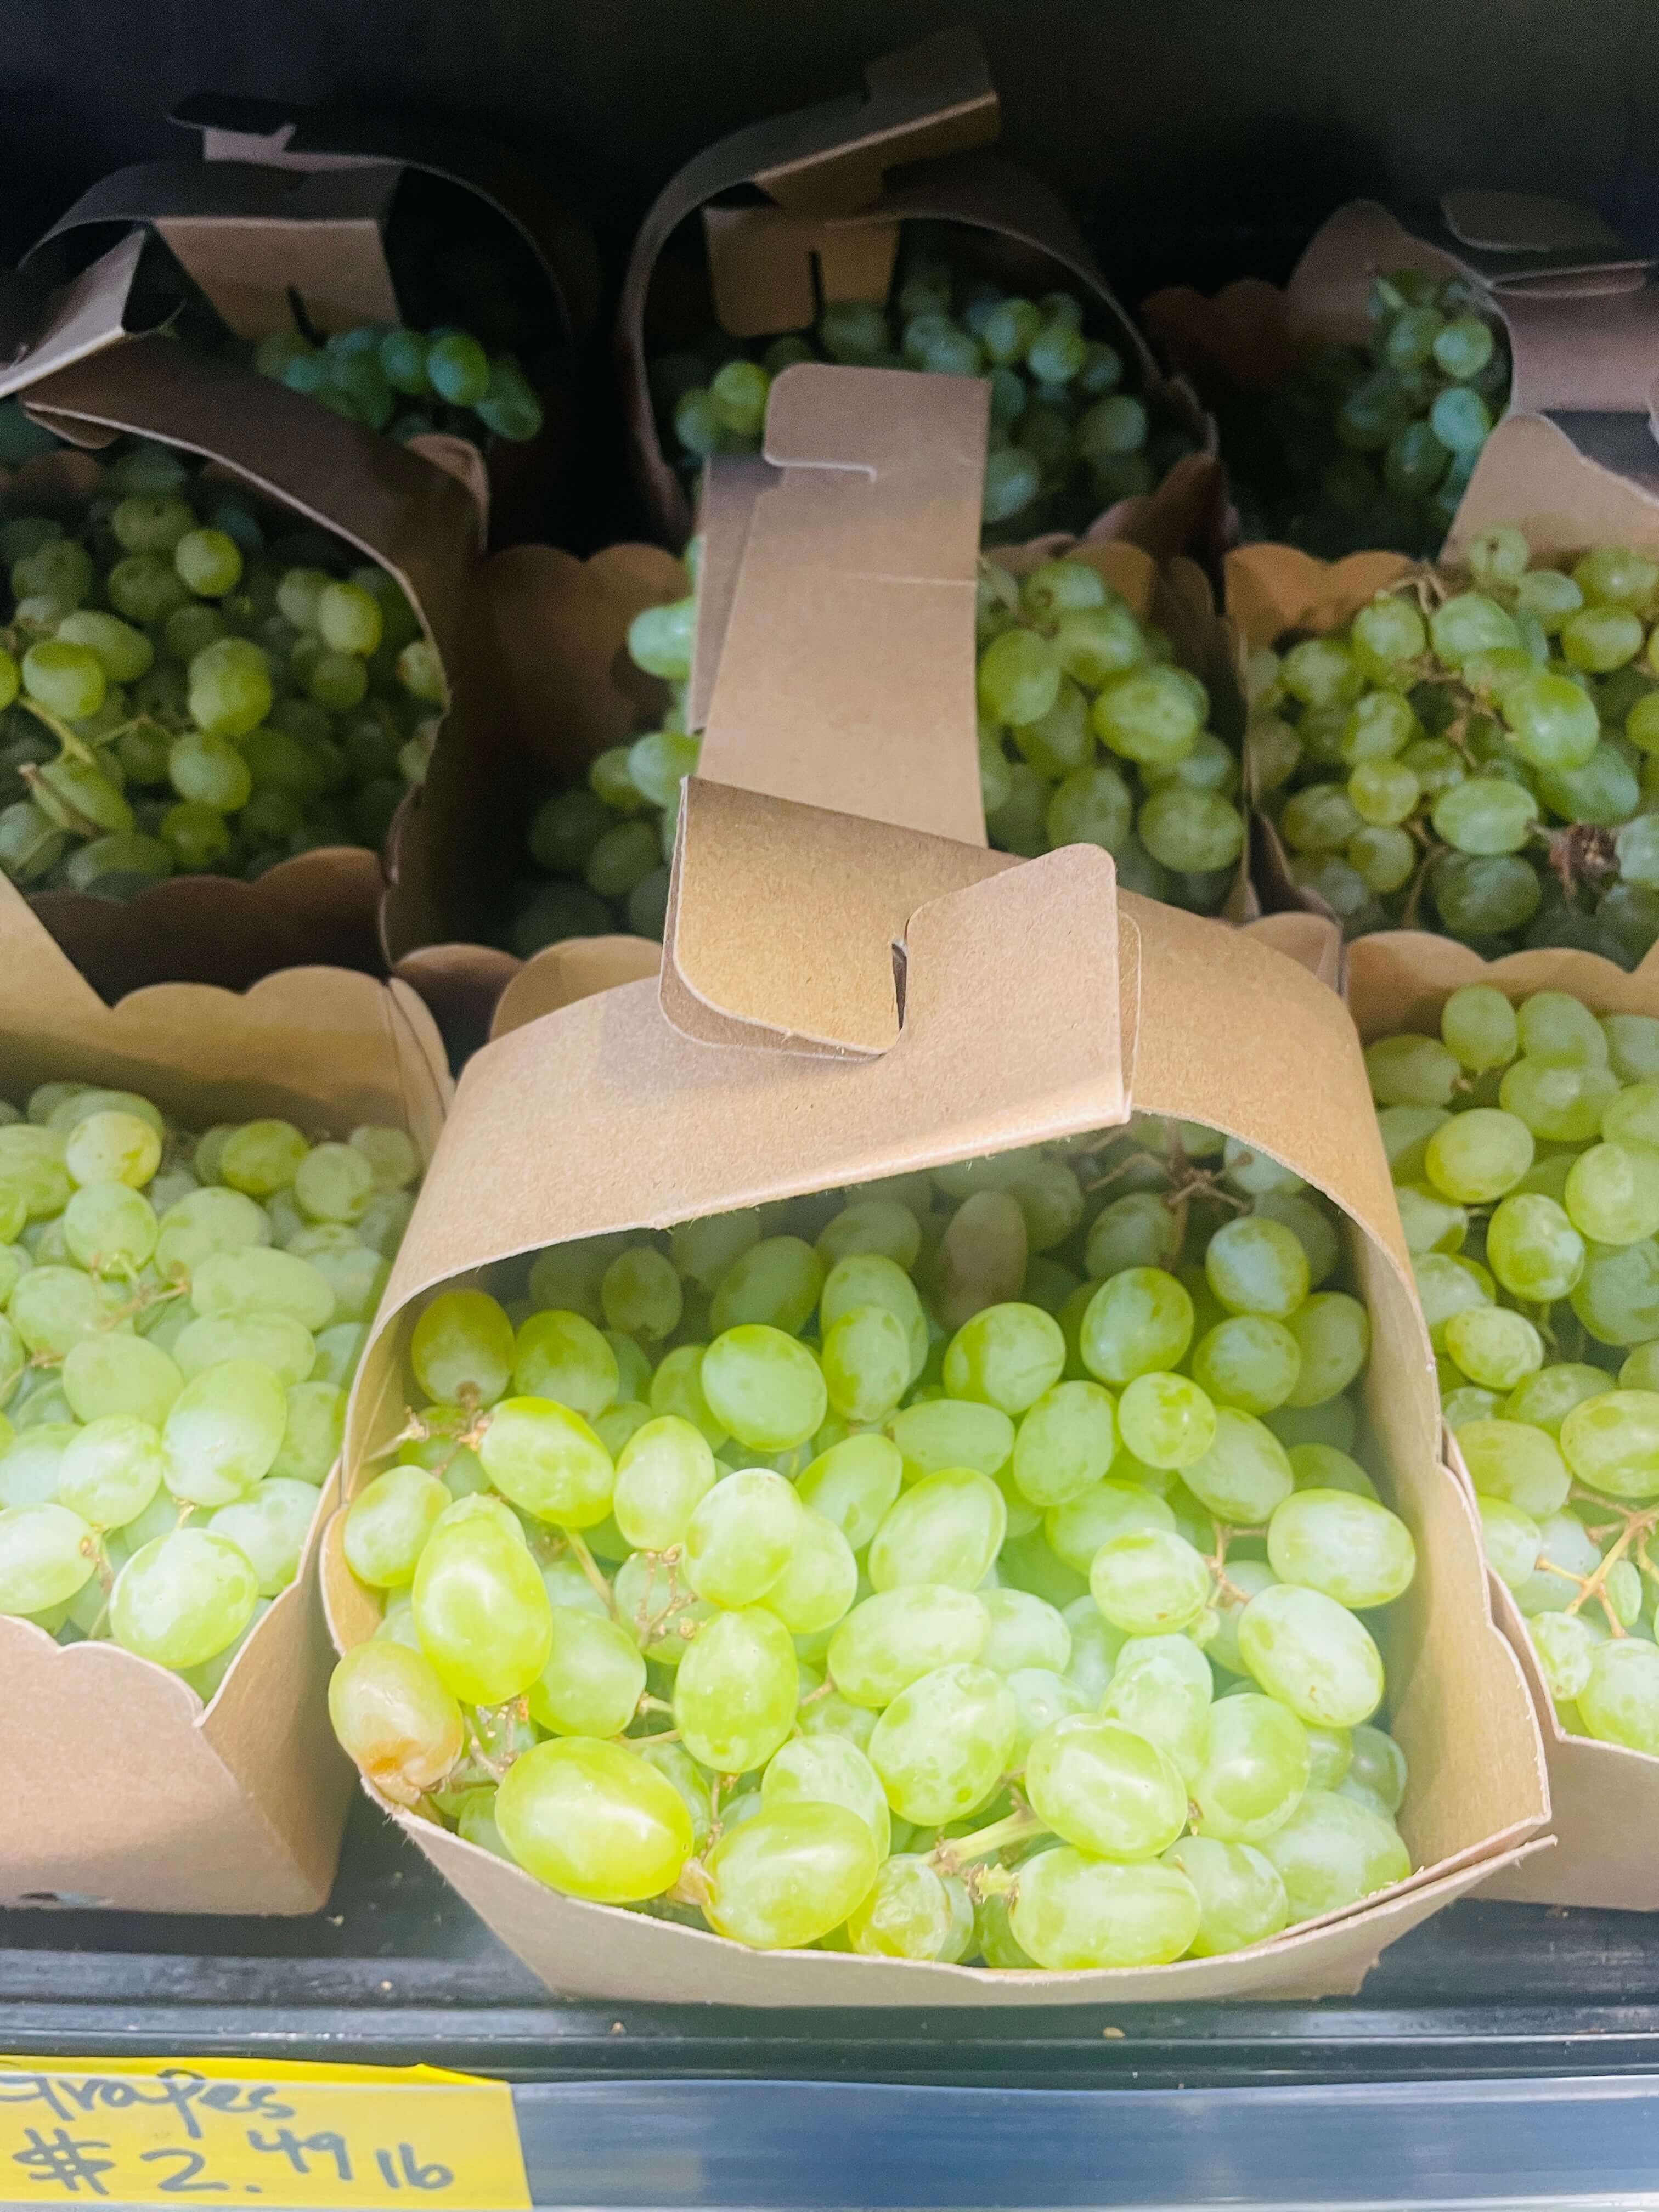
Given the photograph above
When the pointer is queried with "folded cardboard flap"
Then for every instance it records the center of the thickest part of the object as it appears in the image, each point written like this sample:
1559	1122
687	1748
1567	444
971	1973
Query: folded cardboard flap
1530	473
141	1797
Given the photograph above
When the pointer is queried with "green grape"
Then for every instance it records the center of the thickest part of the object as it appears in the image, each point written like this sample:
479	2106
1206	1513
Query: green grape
1007	1356
257	1280
47	1553
1072	1911
735	1691
776	1284
111	1470
593	1820
1307	1651
1332	1852
763	1387
739	1537
594	1679
1165	1420
912	1911
789	1874
1353	1549
1077	1529
663	1473
395	1718
1545	1399
480	1611
1249	1362
830	1770
223	1433
1139	1323
1064	1443
1256	1770
894	1639
852	1484
818	1583
1241	1899
947	1529
1149	1581
1611	1443
270	1529
1024	1631
563	1357
387	1524
1494	1347
1105	1790
106	1376
548	1460
867	1363
1532	1249
1161	1689
941	1744
1246	1473
1334	1335
181	1599
1518	1463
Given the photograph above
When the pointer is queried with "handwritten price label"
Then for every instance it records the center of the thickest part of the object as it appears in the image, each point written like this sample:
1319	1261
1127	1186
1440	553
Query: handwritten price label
228	2132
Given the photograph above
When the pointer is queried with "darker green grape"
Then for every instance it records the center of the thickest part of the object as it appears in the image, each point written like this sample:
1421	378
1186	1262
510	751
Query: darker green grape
1475	752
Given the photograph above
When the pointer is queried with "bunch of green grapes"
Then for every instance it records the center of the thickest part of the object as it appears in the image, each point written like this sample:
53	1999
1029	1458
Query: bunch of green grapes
1091	734
407	383
180	694
1375	449
1525	1149
1066	438
182	1317
1476	753
599	849
966	1567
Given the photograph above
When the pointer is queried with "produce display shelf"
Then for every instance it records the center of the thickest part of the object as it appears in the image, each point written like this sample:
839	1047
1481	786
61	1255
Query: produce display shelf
397	1970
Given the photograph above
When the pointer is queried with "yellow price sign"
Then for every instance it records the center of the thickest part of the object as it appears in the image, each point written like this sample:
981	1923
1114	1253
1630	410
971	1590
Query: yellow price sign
240	2132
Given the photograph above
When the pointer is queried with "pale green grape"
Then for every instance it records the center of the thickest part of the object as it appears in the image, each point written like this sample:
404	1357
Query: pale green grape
463	1349
183	1598
1006	1356
270	1529
593	1820
892	1640
664	1471
830	1770
1379	1765
945	1433
1149	1583
775	1284
111	1470
1310	1653
594	1679
641	1293
867	1363
1161	1688
315	1431
1071	1911
1332	1852
1077	1529
1023	1631
258	1279
763	1387
549	1461
1333	1333
1351	1548
819	1581
105	1375
739	1537
854	1482
1105	1790
1165	1419
47	1552
912	1911
1511	1539
789	1874
735	1691
1249	1362
1139	1323
943	1740
948	1529
1246	1474
222	1433
480	1611
1241	1899
387	1524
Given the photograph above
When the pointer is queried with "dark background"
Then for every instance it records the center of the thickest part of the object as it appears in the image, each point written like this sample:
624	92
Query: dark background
1198	138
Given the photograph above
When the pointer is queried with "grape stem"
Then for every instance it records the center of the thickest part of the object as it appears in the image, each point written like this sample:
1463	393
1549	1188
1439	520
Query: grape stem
68	816
1635	1530
75	746
955	1854
584	1560
693	1886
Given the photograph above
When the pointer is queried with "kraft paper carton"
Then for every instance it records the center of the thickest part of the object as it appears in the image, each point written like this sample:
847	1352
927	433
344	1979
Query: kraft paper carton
840	181
849	995
123	1789
1605	1798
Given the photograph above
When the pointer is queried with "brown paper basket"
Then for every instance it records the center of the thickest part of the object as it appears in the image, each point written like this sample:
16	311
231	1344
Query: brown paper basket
967	1002
841	181
287	203
125	1790
1581	326
1530	473
1605	1798
396	507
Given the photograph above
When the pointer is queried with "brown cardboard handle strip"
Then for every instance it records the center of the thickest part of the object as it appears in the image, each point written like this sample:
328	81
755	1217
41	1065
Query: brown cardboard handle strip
1016	986
845	676
730	485
783	919
403	512
1530	223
